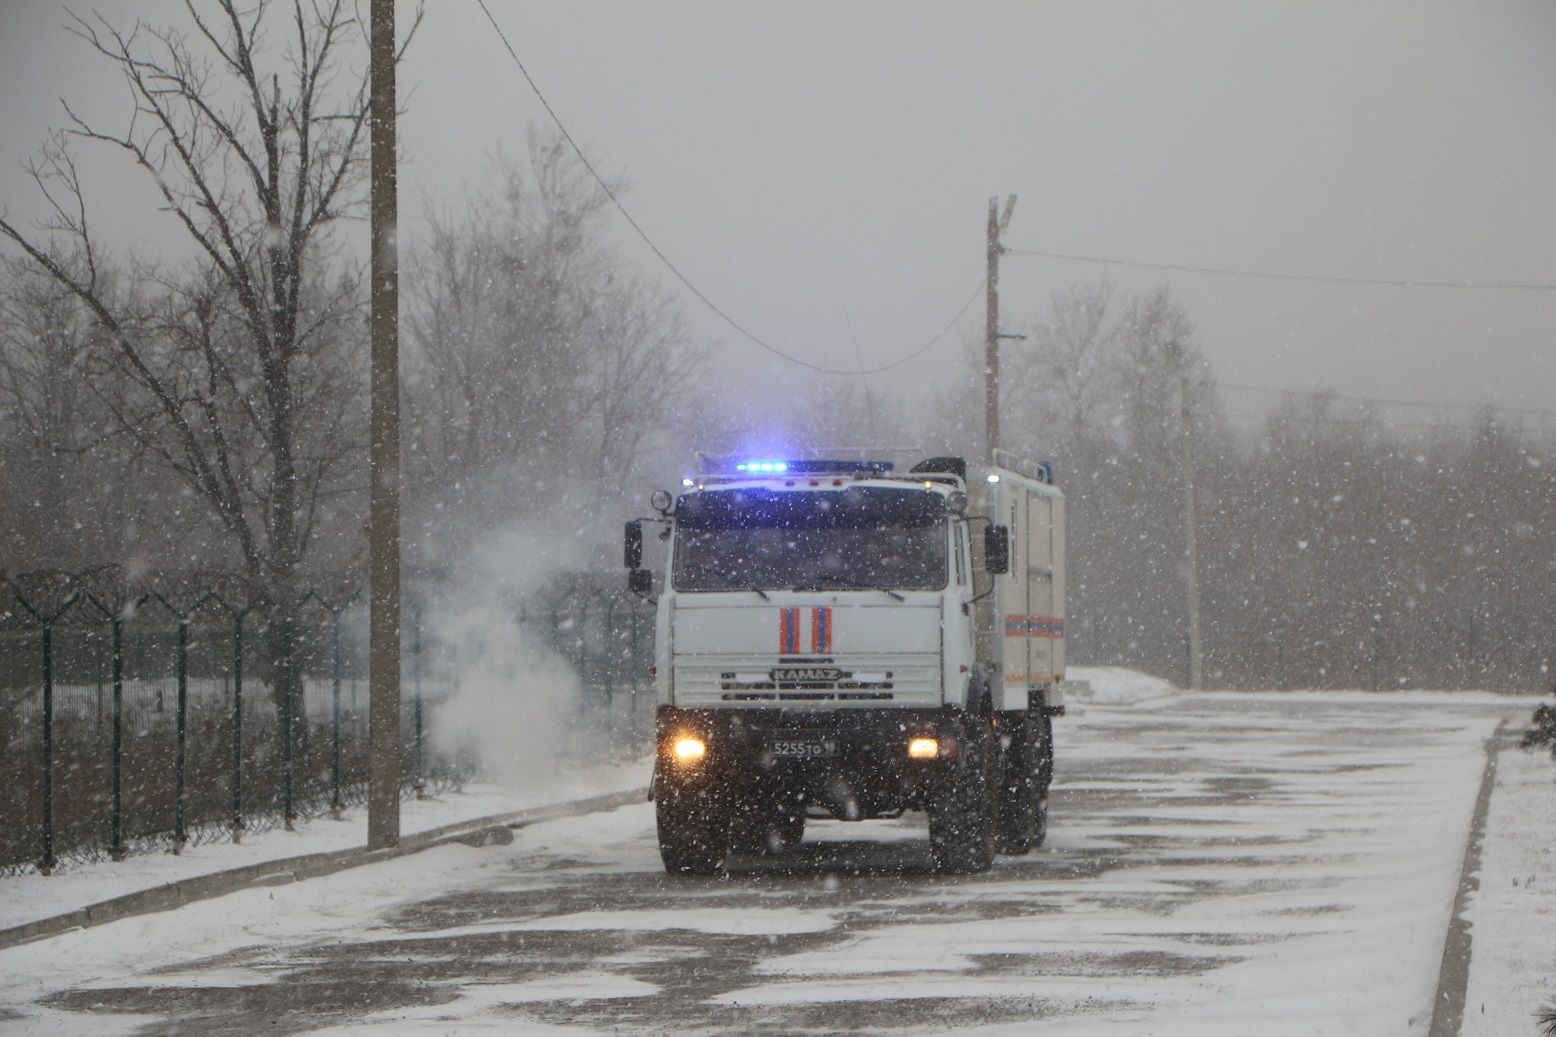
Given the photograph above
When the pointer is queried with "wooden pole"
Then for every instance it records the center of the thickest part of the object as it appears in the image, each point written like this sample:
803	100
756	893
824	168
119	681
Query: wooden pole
383	798
991	338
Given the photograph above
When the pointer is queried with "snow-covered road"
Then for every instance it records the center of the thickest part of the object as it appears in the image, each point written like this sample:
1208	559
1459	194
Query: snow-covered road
1216	864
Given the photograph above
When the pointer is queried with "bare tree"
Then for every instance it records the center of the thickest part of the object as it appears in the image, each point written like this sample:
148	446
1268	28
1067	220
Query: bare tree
641	366
256	174
1146	374
533	351
48	420
1064	373
235	372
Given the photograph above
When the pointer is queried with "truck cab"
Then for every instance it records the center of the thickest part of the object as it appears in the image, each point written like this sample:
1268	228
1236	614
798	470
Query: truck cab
833	639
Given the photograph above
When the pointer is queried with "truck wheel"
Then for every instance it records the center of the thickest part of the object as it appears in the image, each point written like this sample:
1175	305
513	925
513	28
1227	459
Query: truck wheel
693	831
791	827
767	823
1045	777
961	815
1018	796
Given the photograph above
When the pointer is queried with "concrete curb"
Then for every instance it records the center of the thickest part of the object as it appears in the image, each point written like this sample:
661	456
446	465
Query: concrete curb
1454	974
481	831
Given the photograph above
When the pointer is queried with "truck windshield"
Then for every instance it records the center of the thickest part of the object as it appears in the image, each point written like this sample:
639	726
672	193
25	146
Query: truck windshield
860	537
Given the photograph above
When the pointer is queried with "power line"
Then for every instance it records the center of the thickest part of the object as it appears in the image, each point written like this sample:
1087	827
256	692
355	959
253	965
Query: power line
1273	276
641	233
1332	420
1378	399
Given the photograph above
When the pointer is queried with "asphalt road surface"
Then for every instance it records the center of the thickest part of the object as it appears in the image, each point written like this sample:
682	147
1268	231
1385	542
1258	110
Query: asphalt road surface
1215	864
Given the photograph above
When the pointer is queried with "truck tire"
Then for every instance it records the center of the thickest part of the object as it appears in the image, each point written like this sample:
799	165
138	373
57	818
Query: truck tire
961	814
1045	754
1018	798
1027	770
791	827
694	830
764	823
1045	776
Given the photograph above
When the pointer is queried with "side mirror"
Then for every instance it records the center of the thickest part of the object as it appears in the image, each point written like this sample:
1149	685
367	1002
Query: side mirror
640	581
996	549
633	553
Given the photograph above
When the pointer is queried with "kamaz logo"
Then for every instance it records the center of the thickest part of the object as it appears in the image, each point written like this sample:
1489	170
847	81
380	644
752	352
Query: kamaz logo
806	674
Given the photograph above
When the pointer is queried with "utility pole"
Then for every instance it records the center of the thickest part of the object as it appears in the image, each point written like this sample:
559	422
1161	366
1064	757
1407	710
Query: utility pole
1190	536
991	334
383	784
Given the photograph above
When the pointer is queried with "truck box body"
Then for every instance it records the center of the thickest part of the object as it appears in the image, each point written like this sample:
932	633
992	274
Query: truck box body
1030	617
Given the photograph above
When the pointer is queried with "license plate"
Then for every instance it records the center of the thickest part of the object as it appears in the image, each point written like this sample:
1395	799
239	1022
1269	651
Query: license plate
804	748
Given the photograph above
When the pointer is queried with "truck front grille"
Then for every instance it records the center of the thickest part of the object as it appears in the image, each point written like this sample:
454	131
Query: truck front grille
724	680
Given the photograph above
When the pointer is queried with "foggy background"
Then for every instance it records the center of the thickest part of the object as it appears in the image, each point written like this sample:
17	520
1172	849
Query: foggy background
1374	460
814	167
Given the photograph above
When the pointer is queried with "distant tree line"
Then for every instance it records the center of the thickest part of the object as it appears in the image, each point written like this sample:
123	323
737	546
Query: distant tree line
1333	550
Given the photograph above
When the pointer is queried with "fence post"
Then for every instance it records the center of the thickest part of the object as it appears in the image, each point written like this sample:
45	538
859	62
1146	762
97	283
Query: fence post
237	725
286	676
642	702
1377	626
420	781
46	865
116	849
607	657
335	802
180	834
633	667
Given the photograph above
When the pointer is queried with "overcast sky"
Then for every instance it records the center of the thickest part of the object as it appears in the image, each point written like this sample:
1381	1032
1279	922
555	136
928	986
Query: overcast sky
822	170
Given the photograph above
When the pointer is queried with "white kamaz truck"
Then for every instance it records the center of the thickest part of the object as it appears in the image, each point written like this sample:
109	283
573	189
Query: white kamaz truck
838	638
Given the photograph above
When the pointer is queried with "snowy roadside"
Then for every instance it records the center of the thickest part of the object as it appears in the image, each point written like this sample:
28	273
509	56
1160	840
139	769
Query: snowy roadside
31	897
1513	956
1113	686
1513	914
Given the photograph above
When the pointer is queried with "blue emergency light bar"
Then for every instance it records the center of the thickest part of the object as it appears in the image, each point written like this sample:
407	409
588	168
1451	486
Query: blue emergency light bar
815	467
765	468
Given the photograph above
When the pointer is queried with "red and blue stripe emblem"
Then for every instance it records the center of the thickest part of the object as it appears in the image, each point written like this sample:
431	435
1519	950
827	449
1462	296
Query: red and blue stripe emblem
821	630
789	631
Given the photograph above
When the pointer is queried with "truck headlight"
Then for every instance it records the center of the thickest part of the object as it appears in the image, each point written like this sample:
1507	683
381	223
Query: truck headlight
688	750
923	748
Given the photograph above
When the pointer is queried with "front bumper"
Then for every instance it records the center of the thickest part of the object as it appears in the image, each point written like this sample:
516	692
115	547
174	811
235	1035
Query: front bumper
866	770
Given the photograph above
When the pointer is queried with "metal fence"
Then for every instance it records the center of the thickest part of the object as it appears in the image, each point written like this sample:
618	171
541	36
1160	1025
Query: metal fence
186	708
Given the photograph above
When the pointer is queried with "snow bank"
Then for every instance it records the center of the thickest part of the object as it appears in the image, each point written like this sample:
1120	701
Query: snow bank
1113	686
1513	914
30	896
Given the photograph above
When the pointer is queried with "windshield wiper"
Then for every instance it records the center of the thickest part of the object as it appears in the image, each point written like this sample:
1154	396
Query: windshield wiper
859	585
729	582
